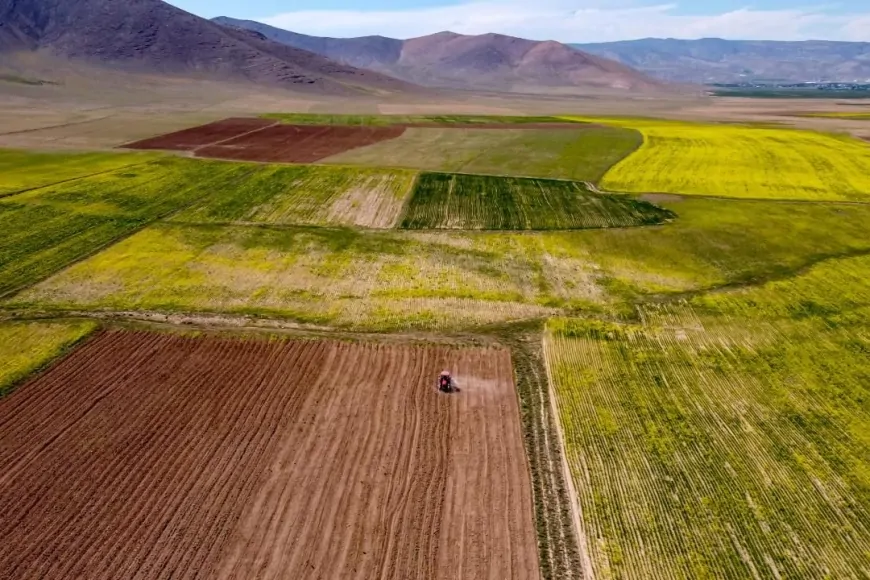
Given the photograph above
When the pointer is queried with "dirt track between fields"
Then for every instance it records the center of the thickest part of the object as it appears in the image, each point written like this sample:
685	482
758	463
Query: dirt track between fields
148	455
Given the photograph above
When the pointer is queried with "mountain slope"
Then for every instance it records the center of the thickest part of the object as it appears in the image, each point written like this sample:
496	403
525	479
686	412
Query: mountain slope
724	61
151	35
487	61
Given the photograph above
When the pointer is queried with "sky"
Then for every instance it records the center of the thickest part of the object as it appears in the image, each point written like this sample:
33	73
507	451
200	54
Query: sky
561	20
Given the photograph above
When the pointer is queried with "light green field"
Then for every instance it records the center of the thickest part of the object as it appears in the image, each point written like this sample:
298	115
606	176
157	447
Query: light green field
394	280
742	162
581	155
27	346
309	195
23	170
728	437
479	202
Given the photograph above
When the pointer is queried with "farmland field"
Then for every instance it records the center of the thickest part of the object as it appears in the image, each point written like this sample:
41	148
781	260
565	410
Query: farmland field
742	162
309	195
27	346
24	170
475	202
584	154
157	455
728	437
48	228
196	137
393	280
297	143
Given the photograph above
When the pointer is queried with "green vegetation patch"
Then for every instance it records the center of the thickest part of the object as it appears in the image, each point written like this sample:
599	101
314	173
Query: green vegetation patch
582	155
732	430
329	119
46	229
457	201
308	195
28	346
23	170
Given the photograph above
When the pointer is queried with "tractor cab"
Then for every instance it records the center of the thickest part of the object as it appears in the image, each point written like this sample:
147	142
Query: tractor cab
445	383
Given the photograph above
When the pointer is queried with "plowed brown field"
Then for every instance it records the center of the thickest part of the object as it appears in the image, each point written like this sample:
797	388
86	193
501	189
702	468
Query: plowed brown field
298	143
157	456
190	139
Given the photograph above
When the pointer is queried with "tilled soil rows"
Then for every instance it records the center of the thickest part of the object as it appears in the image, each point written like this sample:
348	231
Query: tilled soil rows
145	455
298	143
190	139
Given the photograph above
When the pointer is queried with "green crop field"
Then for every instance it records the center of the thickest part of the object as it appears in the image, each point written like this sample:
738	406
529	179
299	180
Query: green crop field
404	280
742	162
476	202
328	119
23	170
582	155
27	346
311	195
48	228
726	438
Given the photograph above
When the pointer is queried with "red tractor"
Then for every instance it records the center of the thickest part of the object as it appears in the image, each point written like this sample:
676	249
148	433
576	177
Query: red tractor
446	384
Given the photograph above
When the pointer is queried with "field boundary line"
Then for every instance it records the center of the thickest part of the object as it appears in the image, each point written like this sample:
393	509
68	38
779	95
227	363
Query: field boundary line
576	508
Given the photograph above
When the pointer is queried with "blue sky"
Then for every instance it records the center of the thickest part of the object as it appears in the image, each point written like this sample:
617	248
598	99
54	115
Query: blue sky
562	20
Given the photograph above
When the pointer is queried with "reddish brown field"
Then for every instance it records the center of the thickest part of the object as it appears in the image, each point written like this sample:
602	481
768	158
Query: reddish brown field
190	139
147	455
298	143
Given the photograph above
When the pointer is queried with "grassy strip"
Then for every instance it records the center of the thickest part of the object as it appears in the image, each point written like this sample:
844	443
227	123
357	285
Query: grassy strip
557	542
455	201
27	347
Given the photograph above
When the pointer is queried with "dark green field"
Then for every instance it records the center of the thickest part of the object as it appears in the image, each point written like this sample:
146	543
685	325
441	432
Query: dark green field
478	202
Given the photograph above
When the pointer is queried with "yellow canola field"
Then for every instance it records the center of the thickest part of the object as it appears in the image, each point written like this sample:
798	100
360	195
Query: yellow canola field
741	162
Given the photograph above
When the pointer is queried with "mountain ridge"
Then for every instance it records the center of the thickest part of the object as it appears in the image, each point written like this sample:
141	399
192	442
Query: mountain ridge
716	60
487	61
153	36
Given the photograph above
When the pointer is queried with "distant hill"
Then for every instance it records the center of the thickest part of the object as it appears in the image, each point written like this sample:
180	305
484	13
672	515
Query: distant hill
487	61
714	60
152	36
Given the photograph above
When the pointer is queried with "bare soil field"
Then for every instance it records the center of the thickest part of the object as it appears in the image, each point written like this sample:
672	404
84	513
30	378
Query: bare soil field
298	143
195	137
149	455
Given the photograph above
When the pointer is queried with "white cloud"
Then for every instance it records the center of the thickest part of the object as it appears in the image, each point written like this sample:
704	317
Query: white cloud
578	21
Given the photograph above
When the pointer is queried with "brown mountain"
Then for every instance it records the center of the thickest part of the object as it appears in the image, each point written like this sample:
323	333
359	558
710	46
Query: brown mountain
152	36
487	61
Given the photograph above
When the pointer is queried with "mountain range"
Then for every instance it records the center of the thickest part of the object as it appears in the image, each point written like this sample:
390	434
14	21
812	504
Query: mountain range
714	60
486	61
153	36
